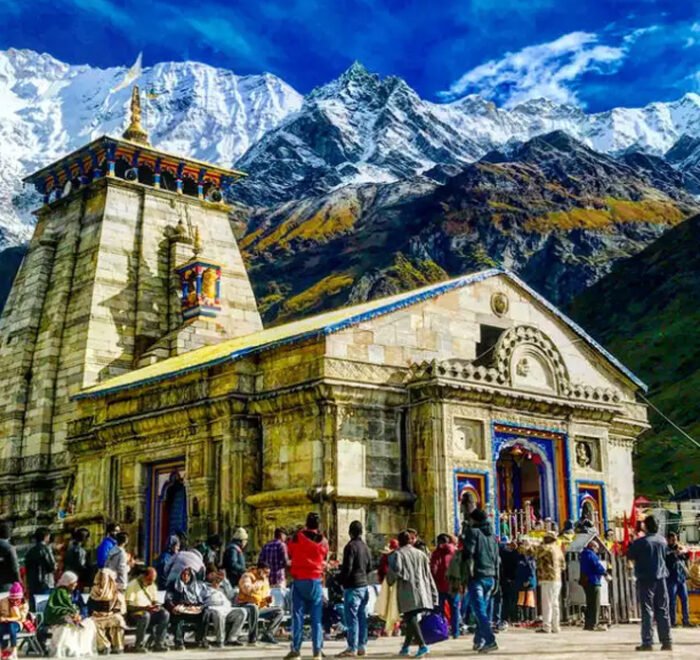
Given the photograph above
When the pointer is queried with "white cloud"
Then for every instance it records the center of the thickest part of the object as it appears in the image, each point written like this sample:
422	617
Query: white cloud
549	70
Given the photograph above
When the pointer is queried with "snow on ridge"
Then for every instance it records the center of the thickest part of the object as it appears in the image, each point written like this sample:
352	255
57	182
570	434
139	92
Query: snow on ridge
49	108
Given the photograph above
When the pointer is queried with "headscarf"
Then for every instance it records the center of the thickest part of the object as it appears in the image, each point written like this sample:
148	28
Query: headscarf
193	592
191	559
173	540
67	579
104	587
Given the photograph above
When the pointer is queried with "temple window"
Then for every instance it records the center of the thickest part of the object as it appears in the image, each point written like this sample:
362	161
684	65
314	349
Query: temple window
489	336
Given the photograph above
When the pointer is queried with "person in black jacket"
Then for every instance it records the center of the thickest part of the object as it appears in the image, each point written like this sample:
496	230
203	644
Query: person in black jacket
40	564
76	559
482	557
9	566
357	563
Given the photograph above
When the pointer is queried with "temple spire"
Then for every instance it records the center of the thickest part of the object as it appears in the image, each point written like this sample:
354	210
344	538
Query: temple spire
135	131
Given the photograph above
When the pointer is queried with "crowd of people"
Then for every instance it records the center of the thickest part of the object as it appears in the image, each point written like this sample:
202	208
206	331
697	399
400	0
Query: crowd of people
477	583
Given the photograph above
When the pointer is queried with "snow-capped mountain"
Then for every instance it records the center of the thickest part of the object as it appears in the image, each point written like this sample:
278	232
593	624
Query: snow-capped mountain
48	108
360	128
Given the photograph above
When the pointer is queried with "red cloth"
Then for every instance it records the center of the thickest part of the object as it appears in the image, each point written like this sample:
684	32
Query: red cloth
439	563
308	556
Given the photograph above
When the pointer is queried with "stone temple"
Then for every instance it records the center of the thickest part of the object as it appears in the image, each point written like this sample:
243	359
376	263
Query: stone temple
138	382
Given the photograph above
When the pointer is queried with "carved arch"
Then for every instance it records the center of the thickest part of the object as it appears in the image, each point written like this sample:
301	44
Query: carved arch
538	345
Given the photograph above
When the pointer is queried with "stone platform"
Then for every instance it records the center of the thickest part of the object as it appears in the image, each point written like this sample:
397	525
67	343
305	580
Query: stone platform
571	643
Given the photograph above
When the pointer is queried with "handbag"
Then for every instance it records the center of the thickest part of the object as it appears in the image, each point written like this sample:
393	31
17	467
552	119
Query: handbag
434	628
29	626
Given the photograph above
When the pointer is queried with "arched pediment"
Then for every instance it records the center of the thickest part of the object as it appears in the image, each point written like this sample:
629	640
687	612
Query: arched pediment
526	358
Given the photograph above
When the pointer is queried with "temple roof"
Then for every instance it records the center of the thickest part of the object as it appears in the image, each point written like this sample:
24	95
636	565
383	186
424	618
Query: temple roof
321	325
106	147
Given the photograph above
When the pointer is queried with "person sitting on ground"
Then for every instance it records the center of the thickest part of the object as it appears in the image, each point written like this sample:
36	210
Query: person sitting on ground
227	620
13	613
165	560
71	635
107	543
234	557
185	600
145	613
409	569
275	555
254	594
106	608
550	566
118	561
592	572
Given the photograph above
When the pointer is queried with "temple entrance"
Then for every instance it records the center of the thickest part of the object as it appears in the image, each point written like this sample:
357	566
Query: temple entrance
520	480
166	506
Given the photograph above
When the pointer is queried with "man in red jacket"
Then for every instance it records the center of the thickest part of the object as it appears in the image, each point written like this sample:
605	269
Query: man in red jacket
439	563
308	551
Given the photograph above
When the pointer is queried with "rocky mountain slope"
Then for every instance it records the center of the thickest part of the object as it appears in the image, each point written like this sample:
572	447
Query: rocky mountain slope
552	209
361	128
48	108
356	129
646	312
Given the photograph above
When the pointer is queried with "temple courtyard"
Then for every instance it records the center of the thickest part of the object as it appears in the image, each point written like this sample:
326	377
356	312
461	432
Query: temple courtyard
618	642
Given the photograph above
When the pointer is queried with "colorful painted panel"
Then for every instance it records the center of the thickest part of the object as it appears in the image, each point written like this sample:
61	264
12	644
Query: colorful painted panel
200	284
591	501
469	481
532	460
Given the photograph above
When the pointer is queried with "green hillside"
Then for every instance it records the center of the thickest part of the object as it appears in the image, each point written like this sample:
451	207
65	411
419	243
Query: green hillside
647	312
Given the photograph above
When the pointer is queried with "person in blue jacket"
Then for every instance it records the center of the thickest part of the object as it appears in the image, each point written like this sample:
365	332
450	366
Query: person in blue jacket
593	571
107	543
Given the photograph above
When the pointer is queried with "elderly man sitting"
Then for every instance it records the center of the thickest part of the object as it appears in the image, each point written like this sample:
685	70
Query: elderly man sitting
145	612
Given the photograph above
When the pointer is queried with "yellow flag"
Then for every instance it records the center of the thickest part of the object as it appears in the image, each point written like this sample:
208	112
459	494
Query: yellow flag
132	74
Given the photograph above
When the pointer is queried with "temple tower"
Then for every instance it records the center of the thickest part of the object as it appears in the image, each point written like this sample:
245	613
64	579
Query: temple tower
99	293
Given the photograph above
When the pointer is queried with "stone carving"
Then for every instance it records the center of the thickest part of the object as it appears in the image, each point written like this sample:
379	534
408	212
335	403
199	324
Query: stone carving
499	304
468	437
532	371
587	452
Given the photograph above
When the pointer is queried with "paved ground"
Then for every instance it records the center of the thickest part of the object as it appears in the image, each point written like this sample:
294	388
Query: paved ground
618	642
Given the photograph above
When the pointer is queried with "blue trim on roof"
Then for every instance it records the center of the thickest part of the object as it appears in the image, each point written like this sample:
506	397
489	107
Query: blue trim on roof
579	331
408	300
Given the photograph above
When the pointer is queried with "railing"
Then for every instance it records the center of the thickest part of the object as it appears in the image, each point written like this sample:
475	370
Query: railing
523	521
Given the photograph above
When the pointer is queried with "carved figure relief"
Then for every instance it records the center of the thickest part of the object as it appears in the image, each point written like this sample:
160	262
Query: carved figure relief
468	437
587	452
532	370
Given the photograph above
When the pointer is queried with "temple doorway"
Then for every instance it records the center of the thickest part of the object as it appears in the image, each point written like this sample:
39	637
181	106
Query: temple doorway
521	480
166	513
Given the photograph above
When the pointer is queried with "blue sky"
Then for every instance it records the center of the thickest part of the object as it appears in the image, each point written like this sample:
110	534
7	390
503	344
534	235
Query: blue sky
595	53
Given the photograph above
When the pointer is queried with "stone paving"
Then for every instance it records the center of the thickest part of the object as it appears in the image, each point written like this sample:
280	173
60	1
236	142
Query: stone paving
618	642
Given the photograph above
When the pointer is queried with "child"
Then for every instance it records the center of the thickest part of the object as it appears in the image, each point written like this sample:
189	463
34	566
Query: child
13	614
526	581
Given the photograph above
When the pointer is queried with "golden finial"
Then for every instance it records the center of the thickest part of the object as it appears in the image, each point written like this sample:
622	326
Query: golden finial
197	248
135	131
